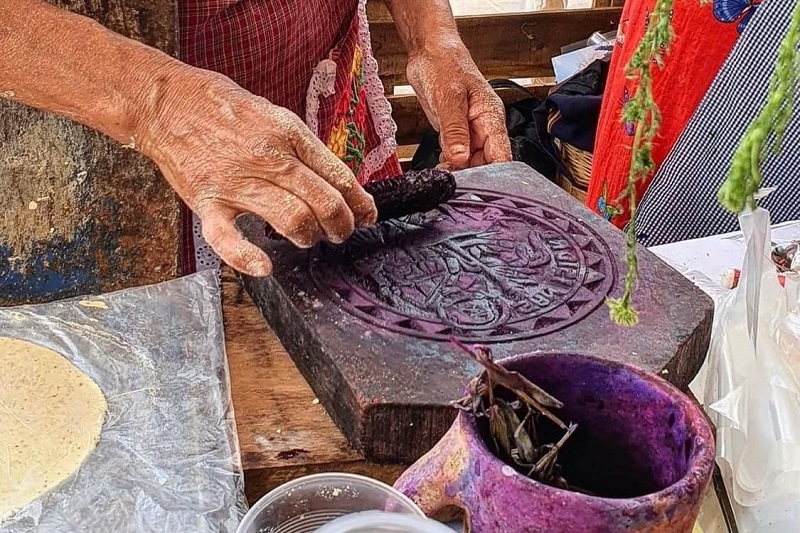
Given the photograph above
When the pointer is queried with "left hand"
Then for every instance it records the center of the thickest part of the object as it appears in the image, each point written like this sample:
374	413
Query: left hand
461	105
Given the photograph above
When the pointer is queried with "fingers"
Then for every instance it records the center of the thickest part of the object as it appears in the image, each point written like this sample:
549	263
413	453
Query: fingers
326	204
321	161
488	119
288	214
474	123
478	159
497	147
219	231
454	132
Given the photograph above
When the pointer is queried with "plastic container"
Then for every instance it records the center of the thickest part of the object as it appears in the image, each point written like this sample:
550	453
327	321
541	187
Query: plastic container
308	503
601	38
382	522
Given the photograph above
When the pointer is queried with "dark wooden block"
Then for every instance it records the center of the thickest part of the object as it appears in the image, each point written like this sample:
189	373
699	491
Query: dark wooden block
513	262
81	213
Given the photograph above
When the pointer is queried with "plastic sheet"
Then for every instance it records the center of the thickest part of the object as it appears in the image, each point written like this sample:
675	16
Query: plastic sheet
753	389
168	457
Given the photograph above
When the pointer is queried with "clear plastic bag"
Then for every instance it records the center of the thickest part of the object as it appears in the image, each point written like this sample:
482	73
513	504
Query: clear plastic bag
752	390
168	455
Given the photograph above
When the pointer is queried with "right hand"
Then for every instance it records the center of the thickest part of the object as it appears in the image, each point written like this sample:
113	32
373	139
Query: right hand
228	152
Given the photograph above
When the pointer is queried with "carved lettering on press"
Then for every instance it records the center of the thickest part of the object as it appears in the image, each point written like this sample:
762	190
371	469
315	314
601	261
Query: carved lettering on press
483	268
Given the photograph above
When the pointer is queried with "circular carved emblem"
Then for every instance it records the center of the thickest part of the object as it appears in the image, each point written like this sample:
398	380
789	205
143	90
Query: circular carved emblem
486	268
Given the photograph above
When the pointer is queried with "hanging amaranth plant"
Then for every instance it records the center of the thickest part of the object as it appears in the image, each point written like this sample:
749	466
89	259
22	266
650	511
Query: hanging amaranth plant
744	177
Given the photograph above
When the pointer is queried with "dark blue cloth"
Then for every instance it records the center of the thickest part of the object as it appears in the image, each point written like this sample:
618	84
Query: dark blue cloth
576	105
578	122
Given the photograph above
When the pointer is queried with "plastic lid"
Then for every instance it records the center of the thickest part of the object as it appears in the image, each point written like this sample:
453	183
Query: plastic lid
383	522
308	503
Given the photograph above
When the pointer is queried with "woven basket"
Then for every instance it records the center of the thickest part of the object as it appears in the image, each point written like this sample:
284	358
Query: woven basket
579	164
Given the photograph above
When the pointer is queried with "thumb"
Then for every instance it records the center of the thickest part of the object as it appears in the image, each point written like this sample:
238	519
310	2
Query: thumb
454	125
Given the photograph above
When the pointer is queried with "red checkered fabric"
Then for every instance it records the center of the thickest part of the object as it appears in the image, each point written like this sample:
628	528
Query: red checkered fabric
271	48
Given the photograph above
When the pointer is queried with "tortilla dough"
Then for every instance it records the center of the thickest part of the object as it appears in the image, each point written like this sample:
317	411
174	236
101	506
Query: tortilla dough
51	415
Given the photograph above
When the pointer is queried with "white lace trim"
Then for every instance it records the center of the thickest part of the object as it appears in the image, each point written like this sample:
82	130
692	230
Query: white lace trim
323	85
204	256
379	107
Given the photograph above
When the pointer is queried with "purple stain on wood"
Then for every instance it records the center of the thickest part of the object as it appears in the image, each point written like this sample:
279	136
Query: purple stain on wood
512	261
291	454
486	267
644	448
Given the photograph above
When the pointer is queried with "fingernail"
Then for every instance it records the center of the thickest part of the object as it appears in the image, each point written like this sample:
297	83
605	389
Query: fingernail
458	149
367	220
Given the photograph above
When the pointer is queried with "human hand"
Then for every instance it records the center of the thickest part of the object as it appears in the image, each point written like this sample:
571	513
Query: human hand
227	152
461	105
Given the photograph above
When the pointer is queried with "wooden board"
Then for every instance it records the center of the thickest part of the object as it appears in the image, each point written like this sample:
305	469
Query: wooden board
81	214
283	432
503	46
367	323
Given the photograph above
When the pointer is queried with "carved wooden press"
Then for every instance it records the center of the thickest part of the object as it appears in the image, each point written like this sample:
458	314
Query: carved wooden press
512	261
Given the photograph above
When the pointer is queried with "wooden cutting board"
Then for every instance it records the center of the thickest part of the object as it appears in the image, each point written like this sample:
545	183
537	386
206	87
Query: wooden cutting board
513	262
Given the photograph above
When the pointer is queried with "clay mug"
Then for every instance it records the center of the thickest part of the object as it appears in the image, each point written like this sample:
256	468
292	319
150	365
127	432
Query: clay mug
644	448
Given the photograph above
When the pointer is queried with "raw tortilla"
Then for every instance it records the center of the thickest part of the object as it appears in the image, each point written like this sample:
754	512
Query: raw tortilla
51	415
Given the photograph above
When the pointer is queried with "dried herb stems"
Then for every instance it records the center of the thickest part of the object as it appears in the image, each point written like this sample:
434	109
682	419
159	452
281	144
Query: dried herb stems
512	405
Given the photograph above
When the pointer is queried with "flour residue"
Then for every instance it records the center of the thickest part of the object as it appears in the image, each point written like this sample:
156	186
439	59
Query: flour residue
94	304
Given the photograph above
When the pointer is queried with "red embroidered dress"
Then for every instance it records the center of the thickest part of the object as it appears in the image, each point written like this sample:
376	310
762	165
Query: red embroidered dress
313	57
704	36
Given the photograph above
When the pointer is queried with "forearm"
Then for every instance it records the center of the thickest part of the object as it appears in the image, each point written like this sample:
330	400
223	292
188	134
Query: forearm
72	66
424	24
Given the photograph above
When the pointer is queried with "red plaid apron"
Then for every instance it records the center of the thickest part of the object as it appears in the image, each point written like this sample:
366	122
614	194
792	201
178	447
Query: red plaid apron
312	57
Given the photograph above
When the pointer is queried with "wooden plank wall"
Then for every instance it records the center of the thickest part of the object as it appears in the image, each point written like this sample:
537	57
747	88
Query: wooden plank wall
517	45
80	213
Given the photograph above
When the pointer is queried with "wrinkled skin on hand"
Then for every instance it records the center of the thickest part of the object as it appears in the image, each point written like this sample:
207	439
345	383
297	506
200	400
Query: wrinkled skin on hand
227	152
461	106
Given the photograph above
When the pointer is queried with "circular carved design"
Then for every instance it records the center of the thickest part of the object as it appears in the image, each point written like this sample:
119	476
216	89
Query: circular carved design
484	268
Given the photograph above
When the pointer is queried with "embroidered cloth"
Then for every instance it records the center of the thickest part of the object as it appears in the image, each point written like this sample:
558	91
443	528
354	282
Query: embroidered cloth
313	57
704	35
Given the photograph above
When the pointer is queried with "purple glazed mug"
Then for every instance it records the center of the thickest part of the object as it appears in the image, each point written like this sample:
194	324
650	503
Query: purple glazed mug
642	446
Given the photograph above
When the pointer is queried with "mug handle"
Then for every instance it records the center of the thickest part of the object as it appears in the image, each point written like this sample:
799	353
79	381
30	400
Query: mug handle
436	480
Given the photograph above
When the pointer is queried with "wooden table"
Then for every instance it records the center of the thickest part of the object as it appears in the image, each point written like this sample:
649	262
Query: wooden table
283	432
